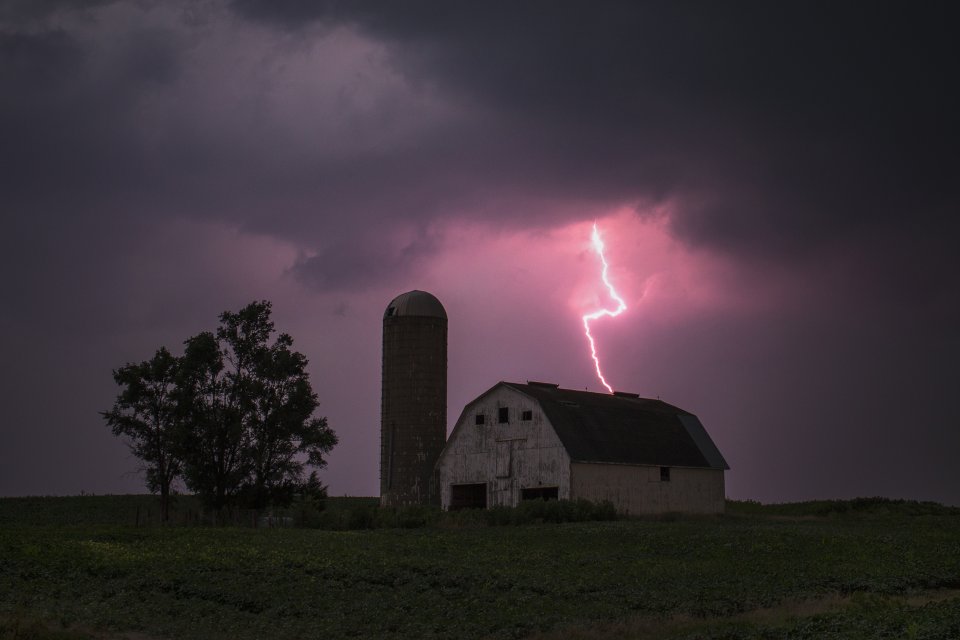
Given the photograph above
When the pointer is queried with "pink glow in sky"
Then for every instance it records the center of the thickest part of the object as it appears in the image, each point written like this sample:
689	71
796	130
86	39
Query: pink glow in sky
516	298
169	161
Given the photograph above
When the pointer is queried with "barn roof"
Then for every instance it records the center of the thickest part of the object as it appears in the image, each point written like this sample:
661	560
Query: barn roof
624	428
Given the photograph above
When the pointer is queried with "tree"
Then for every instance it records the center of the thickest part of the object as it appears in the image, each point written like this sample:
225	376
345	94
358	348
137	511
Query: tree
146	413
211	434
251	430
283	430
233	417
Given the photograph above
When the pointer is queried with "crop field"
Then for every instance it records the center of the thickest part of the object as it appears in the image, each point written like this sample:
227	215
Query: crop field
825	570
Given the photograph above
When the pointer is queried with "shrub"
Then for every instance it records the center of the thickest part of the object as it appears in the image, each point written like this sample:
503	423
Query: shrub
408	517
555	511
362	518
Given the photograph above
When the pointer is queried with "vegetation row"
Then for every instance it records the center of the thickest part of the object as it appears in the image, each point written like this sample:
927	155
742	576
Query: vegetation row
356	513
879	569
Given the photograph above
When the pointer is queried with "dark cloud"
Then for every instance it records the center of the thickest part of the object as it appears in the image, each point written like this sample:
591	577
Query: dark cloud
290	14
69	117
774	123
157	157
24	12
361	263
777	128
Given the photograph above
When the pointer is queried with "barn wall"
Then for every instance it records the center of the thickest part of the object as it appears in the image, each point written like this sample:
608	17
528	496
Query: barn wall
637	489
507	457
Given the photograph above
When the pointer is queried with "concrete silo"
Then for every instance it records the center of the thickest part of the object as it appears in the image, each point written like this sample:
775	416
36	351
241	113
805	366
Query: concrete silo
413	409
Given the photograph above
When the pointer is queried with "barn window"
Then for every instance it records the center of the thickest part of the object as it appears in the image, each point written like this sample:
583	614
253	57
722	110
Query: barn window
664	474
526	415
503	415
480	419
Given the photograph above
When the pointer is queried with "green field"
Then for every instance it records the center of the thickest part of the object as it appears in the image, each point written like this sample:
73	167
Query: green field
77	568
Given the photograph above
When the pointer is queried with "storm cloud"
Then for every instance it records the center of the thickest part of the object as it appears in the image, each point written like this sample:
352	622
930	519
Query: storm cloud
777	182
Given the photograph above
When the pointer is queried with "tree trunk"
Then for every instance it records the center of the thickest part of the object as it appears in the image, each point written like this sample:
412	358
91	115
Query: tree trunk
164	504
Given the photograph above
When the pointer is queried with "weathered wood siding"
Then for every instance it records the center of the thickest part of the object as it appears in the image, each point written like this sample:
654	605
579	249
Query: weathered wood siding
637	489
507	457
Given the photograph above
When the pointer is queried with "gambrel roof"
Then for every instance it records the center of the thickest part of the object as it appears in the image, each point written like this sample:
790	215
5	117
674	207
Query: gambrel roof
623	428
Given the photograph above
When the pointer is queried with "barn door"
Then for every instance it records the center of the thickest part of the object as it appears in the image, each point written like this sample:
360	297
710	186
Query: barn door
468	496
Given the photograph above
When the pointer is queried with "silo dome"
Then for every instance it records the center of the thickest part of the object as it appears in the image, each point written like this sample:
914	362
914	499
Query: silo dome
415	303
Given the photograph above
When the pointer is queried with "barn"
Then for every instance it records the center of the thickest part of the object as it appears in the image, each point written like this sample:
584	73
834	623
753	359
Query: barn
536	440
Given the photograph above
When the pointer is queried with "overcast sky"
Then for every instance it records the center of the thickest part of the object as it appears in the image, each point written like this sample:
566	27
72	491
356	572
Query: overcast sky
776	183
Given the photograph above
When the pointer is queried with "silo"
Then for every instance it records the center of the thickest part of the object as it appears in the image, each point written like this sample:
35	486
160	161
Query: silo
413	407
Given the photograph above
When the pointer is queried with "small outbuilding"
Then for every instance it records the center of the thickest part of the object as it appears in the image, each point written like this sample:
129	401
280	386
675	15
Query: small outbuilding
536	440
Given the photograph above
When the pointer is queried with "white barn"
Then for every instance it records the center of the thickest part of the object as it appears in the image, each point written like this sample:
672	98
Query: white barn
536	440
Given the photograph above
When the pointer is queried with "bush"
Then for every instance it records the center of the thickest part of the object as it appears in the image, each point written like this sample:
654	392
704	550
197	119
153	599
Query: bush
555	511
367	515
362	518
464	518
409	517
869	507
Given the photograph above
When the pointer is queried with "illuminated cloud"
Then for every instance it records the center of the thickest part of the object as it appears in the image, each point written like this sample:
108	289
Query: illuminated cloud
776	189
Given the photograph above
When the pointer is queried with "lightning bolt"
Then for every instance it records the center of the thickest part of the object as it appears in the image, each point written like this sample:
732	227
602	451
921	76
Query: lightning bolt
621	306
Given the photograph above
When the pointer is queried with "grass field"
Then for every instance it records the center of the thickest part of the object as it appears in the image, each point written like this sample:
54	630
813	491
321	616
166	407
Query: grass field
76	568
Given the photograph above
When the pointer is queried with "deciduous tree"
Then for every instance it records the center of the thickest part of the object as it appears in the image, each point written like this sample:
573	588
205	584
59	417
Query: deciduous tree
146	414
233	417
251	431
211	436
283	434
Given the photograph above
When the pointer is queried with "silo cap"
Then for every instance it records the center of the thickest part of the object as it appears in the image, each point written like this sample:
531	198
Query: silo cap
415	303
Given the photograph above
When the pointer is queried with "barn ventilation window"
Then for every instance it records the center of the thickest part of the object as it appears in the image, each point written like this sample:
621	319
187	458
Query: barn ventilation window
664	474
526	415
480	419
503	415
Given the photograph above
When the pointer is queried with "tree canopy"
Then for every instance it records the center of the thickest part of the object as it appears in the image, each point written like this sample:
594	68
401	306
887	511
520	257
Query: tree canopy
236	421
146	413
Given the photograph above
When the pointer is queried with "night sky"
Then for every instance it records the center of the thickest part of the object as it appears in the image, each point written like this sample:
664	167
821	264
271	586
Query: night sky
776	183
